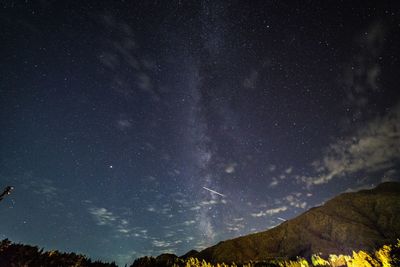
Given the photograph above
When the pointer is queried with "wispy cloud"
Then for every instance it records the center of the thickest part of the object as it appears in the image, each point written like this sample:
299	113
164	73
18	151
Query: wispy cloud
46	189
269	212
289	170
251	81
189	222
237	225
295	201
160	243
363	72
124	124
103	216
274	182
121	226
375	147
122	55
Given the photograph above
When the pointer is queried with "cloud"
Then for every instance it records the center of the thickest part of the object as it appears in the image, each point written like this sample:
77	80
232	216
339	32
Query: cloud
190	222
356	189
124	124
151	209
390	175
274	182
272	168
289	170
230	168
45	188
104	217
237	225
362	75
269	212
163	244
251	81
276	210
295	201
129	72
374	147
208	203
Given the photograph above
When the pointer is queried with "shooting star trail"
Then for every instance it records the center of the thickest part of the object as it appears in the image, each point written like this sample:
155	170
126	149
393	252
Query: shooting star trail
279	218
212	191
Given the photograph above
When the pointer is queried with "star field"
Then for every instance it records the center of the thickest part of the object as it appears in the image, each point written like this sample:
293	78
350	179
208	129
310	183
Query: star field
131	129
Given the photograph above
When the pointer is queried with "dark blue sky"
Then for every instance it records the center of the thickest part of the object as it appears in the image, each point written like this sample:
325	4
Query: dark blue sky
116	117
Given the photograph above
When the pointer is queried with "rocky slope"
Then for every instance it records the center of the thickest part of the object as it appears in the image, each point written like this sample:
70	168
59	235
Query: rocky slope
363	220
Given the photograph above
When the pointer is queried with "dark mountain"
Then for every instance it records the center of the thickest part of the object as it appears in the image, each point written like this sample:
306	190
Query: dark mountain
190	254
363	220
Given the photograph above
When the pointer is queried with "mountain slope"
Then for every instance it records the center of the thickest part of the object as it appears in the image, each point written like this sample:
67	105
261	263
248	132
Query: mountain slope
351	221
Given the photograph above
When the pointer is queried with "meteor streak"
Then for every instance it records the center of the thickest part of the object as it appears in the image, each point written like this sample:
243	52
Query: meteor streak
212	191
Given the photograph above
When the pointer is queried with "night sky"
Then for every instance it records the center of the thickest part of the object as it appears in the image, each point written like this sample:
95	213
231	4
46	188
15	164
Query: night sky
133	128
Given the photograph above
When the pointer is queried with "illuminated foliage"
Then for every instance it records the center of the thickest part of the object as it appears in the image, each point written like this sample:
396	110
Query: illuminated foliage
339	260
362	259
386	256
318	261
383	255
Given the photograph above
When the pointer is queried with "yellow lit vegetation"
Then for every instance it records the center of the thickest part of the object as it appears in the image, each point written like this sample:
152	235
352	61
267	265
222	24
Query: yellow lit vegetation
386	256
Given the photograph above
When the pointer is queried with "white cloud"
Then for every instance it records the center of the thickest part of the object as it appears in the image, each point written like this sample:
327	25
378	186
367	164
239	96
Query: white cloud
269	212
124	124
187	223
207	203
103	216
259	214
375	147
163	244
44	187
124	231
276	210
295	201
272	168
274	182
230	168
355	189
289	170
151	209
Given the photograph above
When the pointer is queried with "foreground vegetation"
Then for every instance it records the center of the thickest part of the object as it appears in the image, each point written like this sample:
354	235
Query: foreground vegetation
17	255
386	256
22	255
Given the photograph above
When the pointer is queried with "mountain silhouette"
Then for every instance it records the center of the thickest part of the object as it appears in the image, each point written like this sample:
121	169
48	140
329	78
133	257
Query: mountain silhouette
363	220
